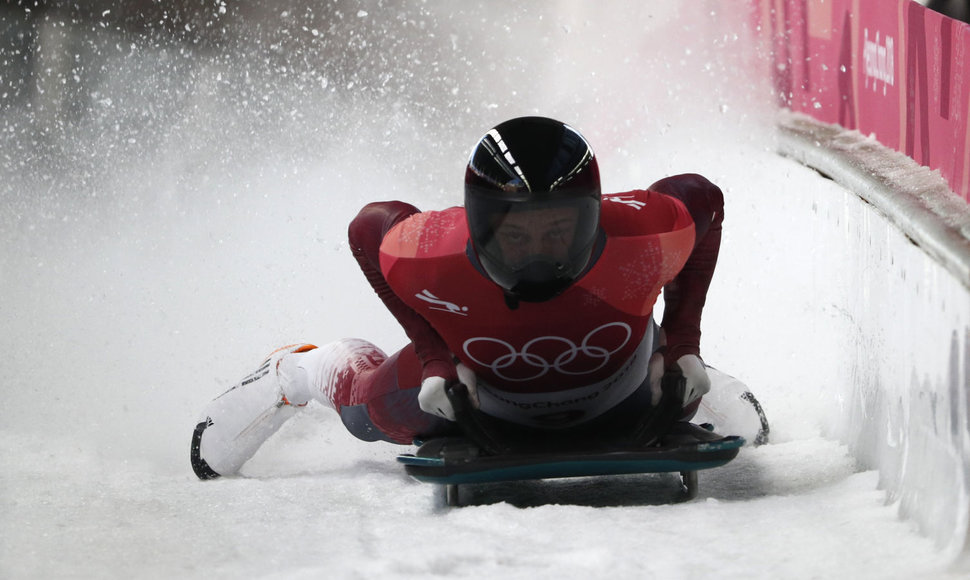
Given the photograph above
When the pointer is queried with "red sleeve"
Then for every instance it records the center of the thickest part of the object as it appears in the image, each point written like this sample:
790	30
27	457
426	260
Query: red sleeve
684	297
366	232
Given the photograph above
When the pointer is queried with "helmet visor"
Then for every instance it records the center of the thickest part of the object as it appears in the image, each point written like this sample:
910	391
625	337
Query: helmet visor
534	250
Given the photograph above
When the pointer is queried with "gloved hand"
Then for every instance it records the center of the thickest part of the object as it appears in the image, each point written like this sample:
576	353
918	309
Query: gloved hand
433	399
695	375
698	383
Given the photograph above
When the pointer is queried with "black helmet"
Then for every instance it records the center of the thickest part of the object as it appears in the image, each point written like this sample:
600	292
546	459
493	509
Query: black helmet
532	199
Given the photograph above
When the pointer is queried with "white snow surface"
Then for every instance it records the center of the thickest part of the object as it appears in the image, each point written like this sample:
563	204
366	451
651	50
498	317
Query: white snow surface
189	216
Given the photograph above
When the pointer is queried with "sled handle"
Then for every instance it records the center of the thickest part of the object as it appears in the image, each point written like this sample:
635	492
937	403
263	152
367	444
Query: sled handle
471	420
658	423
494	437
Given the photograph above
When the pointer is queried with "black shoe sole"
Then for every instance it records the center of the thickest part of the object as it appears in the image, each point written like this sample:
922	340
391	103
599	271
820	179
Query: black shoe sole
199	466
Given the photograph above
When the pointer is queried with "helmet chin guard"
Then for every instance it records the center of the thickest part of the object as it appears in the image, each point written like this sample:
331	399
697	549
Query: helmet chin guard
539	280
532	200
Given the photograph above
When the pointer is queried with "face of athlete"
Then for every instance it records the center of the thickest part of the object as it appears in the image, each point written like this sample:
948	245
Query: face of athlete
549	233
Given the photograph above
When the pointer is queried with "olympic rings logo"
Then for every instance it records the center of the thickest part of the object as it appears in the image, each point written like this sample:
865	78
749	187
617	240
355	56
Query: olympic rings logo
544	353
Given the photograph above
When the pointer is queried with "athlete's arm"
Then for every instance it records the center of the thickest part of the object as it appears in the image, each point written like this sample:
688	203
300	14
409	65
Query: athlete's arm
684	297
366	232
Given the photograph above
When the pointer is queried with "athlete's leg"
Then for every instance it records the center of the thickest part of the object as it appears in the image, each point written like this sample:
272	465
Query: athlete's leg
375	395
234	424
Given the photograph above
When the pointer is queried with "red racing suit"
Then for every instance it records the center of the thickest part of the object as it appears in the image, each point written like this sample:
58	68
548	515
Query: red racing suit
551	364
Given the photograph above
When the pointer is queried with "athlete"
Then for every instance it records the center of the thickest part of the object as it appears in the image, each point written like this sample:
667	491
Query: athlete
537	295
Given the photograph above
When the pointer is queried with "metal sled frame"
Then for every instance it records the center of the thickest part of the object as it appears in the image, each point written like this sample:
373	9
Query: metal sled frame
455	461
493	451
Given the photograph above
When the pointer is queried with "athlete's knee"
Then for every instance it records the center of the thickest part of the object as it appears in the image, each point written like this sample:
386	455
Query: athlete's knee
402	428
393	416
357	420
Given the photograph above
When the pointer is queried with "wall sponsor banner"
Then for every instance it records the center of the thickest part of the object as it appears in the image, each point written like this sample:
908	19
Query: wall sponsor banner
888	68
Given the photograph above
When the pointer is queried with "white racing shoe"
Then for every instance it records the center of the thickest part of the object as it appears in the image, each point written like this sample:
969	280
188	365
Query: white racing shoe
732	409
236	423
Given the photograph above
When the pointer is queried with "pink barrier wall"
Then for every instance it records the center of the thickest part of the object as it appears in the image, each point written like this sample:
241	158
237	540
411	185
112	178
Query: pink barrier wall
890	68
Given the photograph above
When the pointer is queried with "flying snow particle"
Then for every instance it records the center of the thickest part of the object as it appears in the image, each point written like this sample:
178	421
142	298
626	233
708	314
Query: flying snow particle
361	13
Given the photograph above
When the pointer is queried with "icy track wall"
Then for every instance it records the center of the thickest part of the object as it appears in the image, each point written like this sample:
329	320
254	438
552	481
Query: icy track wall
893	69
876	96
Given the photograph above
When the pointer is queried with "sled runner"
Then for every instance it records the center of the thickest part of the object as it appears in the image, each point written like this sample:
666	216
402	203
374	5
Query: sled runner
490	450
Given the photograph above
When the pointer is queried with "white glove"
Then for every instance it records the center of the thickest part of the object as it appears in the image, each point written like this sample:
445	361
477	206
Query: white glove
433	399
698	383
695	375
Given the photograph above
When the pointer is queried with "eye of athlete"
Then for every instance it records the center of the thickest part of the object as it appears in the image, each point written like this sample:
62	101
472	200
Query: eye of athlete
546	233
